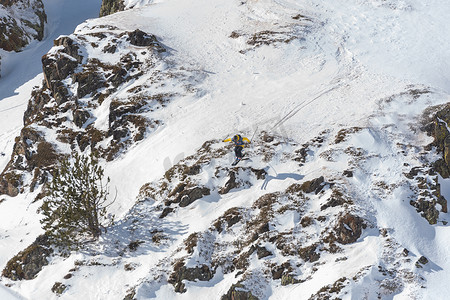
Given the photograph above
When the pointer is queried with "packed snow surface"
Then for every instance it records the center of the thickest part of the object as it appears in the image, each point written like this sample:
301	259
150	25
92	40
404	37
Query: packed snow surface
345	57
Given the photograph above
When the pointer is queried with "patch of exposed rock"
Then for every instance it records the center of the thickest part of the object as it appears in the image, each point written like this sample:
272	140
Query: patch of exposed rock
21	22
111	6
181	272
29	262
76	83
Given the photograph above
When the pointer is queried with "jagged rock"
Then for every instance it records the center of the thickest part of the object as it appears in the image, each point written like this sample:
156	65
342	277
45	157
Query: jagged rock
111	6
348	173
438	129
238	292
191	242
10	183
189	196
327	291
30	151
58	66
29	262
309	253
80	117
21	22
314	185
306	221
413	172
423	260
193	170
55	70
142	39
35	108
130	296
180	273
165	212
263	228
262	252
69	78
89	81
443	202
260	173
428	210
288	279
349	229
59	288
230	184
69	47
278	271
232	216
337	198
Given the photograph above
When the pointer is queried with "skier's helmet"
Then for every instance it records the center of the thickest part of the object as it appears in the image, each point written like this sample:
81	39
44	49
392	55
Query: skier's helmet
236	138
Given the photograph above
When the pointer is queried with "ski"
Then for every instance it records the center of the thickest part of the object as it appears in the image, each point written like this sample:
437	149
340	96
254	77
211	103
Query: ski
236	161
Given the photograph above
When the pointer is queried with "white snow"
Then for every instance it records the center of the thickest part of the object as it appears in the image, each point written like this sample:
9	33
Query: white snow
351	57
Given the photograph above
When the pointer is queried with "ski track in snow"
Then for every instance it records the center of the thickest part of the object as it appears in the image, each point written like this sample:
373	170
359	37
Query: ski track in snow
355	54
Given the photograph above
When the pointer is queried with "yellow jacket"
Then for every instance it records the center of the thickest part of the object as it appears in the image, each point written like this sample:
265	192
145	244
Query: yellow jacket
239	143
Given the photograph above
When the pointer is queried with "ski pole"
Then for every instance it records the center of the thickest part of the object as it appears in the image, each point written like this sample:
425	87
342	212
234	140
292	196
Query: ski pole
253	134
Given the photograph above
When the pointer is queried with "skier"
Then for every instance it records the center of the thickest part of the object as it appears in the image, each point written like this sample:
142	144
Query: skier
239	143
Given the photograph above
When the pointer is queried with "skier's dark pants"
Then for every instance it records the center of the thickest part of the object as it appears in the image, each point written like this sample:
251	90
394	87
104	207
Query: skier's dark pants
238	151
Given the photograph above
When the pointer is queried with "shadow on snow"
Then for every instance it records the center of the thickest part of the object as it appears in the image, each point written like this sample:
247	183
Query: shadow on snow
280	176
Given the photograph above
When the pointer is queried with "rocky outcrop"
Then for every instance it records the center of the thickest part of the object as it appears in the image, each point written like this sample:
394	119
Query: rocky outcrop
111	6
180	273
189	196
32	154
438	128
309	253
349	229
429	201
230	184
29	262
20	22
76	82
314	185
238	292
58	66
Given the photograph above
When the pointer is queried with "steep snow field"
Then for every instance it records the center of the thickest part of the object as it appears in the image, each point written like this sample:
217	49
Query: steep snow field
344	60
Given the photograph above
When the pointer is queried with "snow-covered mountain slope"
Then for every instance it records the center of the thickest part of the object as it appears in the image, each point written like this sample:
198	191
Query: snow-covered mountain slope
339	196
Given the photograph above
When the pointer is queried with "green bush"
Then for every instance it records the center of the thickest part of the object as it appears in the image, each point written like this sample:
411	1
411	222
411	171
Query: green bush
76	202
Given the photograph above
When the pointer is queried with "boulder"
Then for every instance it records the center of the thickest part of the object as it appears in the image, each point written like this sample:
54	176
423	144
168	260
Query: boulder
80	117
238	292
309	253
142	39
349	229
314	185
201	273
262	252
29	262
230	184
188	196
428	210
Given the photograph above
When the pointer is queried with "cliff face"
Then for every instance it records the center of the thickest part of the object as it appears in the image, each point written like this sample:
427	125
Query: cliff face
20	22
84	75
111	6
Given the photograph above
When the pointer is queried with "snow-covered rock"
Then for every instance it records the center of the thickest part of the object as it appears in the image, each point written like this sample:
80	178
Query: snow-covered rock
21	22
